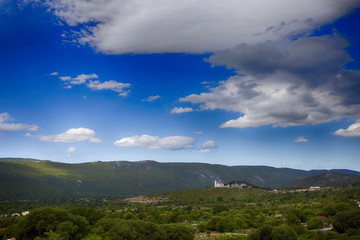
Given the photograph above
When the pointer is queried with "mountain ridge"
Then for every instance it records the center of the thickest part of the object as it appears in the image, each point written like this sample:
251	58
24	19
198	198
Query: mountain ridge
327	179
45	179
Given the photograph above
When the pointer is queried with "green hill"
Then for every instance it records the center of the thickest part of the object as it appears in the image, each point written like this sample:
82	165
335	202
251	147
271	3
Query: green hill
35	179
328	179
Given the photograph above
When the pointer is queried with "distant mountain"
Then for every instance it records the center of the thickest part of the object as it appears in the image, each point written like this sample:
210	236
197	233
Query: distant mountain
36	179
327	179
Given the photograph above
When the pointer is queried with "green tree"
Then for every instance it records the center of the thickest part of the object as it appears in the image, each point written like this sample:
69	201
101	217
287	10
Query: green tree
48	220
262	233
315	223
91	214
292	219
283	232
177	232
348	219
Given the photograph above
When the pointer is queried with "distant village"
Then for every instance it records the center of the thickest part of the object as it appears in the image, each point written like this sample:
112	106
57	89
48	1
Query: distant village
23	213
232	184
242	184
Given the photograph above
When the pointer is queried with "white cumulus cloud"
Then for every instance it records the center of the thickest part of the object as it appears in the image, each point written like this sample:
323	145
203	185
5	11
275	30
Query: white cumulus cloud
300	139
7	124
71	135
352	131
156	142
178	110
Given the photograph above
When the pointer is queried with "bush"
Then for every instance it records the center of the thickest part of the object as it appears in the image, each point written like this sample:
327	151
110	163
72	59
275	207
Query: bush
348	219
50	222
315	223
116	229
263	233
283	232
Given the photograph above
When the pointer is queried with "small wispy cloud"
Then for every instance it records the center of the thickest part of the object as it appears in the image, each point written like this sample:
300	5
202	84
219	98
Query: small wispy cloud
69	151
204	150
300	139
206	146
110	85
80	79
151	98
91	81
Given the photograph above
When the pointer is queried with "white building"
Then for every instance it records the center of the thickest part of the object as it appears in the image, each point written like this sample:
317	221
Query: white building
218	184
24	213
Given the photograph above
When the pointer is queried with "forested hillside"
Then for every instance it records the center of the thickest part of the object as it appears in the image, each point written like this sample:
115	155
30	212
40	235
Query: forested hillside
34	179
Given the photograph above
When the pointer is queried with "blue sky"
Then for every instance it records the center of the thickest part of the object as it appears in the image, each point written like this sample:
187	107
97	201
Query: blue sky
241	83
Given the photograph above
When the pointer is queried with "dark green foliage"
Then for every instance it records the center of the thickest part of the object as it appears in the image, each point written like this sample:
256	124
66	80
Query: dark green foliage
177	232
219	208
268	232
283	232
292	219
262	213
90	214
315	223
332	209
44	220
116	229
346	220
263	233
317	235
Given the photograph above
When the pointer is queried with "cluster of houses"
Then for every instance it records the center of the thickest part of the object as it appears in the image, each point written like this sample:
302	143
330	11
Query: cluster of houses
23	213
233	184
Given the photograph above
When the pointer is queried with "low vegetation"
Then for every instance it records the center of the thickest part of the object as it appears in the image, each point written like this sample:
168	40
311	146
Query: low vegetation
206	213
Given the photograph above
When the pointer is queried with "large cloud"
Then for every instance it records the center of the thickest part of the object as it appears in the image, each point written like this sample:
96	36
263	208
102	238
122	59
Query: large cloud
71	135
315	59
196	26
286	78
6	124
156	142
286	83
